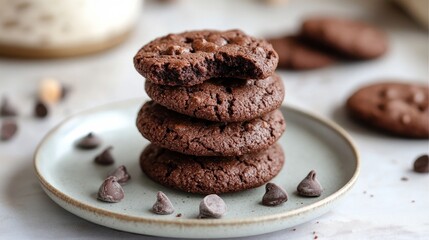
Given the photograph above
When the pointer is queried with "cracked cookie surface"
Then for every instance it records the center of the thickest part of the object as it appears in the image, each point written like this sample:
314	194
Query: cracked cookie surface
188	135
221	100
398	108
206	175
190	58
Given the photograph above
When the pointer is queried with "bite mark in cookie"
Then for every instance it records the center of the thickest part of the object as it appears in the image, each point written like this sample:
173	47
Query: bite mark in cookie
190	58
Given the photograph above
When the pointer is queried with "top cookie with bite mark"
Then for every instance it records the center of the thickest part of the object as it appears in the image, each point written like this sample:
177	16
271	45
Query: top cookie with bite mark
190	58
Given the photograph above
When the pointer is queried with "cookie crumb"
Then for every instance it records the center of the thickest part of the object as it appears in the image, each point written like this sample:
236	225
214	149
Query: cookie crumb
371	195
294	229
364	192
179	215
413	201
404	179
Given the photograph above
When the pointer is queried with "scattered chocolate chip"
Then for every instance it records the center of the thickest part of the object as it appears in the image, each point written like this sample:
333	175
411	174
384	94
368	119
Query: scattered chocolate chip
40	110
371	195
121	174
274	195
65	90
179	215
8	129
212	206
413	201
310	186
89	141
6	109
105	157
421	165
294	229
404	179
110	191
162	205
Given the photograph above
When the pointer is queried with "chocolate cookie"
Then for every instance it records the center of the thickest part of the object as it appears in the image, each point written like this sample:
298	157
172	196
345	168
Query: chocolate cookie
208	175
190	58
294	53
398	108
353	39
198	137
221	100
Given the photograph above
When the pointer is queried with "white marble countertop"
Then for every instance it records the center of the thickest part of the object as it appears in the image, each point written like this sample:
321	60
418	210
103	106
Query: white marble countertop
380	206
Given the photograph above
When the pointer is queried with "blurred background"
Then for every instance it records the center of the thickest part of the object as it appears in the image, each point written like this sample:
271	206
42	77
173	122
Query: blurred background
69	28
85	48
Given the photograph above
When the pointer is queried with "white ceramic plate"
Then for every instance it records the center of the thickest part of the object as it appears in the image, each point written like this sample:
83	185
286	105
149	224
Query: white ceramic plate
71	179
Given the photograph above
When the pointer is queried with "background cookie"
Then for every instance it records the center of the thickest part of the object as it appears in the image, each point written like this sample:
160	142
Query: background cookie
221	100
296	54
353	39
191	58
181	133
397	108
208	175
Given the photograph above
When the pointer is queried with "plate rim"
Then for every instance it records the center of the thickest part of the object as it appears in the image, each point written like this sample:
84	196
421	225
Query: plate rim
197	222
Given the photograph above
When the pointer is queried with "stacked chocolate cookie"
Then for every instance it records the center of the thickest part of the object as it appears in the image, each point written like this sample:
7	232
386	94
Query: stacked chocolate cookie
213	121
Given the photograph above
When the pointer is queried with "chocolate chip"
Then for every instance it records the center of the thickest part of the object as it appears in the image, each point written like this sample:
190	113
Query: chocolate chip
179	215
65	90
212	206
7	110
162	205
219	41
309	186
421	165
110	191
274	195
418	97
176	50
105	157
121	174
405	119
202	45
8	129
90	141
40	110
